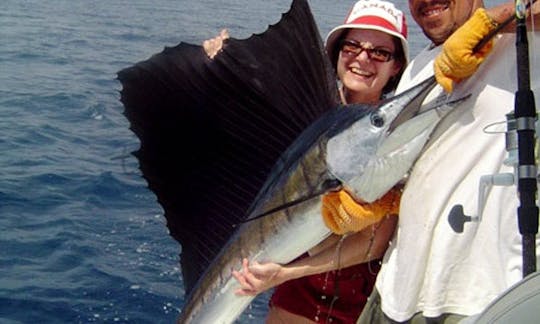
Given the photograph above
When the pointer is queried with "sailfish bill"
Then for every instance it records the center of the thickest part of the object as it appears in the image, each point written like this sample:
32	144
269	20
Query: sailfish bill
224	141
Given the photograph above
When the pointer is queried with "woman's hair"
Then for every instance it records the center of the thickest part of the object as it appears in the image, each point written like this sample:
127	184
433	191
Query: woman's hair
399	56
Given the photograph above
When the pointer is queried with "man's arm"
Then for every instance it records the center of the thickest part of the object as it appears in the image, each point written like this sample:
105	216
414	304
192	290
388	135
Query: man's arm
460	57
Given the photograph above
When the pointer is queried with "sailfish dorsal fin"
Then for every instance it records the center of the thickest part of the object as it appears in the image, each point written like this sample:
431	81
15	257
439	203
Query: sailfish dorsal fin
211	130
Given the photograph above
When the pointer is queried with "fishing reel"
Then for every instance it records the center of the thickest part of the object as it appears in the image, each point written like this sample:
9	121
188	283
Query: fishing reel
456	217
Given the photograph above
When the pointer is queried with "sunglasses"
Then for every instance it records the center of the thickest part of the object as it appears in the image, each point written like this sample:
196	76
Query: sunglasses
353	48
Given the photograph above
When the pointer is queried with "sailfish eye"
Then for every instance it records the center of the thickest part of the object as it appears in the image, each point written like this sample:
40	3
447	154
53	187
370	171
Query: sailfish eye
377	120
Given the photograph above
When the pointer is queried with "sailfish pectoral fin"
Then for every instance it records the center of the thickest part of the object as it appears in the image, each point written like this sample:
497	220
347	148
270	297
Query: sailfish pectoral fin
326	186
211	130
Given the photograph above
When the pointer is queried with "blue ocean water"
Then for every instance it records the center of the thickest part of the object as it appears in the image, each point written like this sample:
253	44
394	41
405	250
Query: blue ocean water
82	239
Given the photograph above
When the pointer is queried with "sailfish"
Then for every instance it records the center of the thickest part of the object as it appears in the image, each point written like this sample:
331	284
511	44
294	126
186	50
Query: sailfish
239	148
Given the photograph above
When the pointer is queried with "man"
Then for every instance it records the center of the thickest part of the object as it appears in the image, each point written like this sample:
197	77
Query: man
431	273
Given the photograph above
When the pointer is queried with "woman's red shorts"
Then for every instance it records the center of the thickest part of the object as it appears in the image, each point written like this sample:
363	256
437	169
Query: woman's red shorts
333	297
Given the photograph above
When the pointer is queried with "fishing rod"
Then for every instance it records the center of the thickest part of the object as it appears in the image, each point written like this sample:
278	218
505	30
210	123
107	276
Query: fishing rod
525	119
520	144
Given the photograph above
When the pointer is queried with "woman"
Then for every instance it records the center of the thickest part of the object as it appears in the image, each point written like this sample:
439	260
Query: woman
331	283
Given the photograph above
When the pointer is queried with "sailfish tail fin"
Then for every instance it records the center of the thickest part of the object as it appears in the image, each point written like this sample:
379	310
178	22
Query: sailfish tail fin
211	130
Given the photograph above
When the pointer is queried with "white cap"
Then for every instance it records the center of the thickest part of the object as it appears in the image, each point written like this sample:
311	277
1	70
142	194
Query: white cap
372	14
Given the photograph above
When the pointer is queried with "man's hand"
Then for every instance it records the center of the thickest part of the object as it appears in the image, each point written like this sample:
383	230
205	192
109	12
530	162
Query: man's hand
457	60
343	214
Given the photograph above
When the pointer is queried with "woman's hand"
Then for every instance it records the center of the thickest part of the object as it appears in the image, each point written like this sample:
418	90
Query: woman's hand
257	278
213	46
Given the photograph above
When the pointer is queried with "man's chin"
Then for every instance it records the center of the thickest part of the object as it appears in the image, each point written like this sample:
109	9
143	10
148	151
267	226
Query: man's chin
438	33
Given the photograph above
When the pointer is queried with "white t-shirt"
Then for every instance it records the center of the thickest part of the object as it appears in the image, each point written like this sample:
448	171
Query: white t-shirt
428	267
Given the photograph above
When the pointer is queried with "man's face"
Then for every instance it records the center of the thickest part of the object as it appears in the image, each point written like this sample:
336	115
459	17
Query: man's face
440	18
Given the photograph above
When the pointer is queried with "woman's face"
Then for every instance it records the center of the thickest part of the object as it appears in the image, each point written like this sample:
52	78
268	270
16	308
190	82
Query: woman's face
362	75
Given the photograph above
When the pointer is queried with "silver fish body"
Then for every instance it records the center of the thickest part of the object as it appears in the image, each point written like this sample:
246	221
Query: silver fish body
279	237
368	148
375	153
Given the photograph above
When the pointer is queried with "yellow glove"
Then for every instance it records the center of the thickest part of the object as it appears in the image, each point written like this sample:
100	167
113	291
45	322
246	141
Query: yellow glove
342	214
457	60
